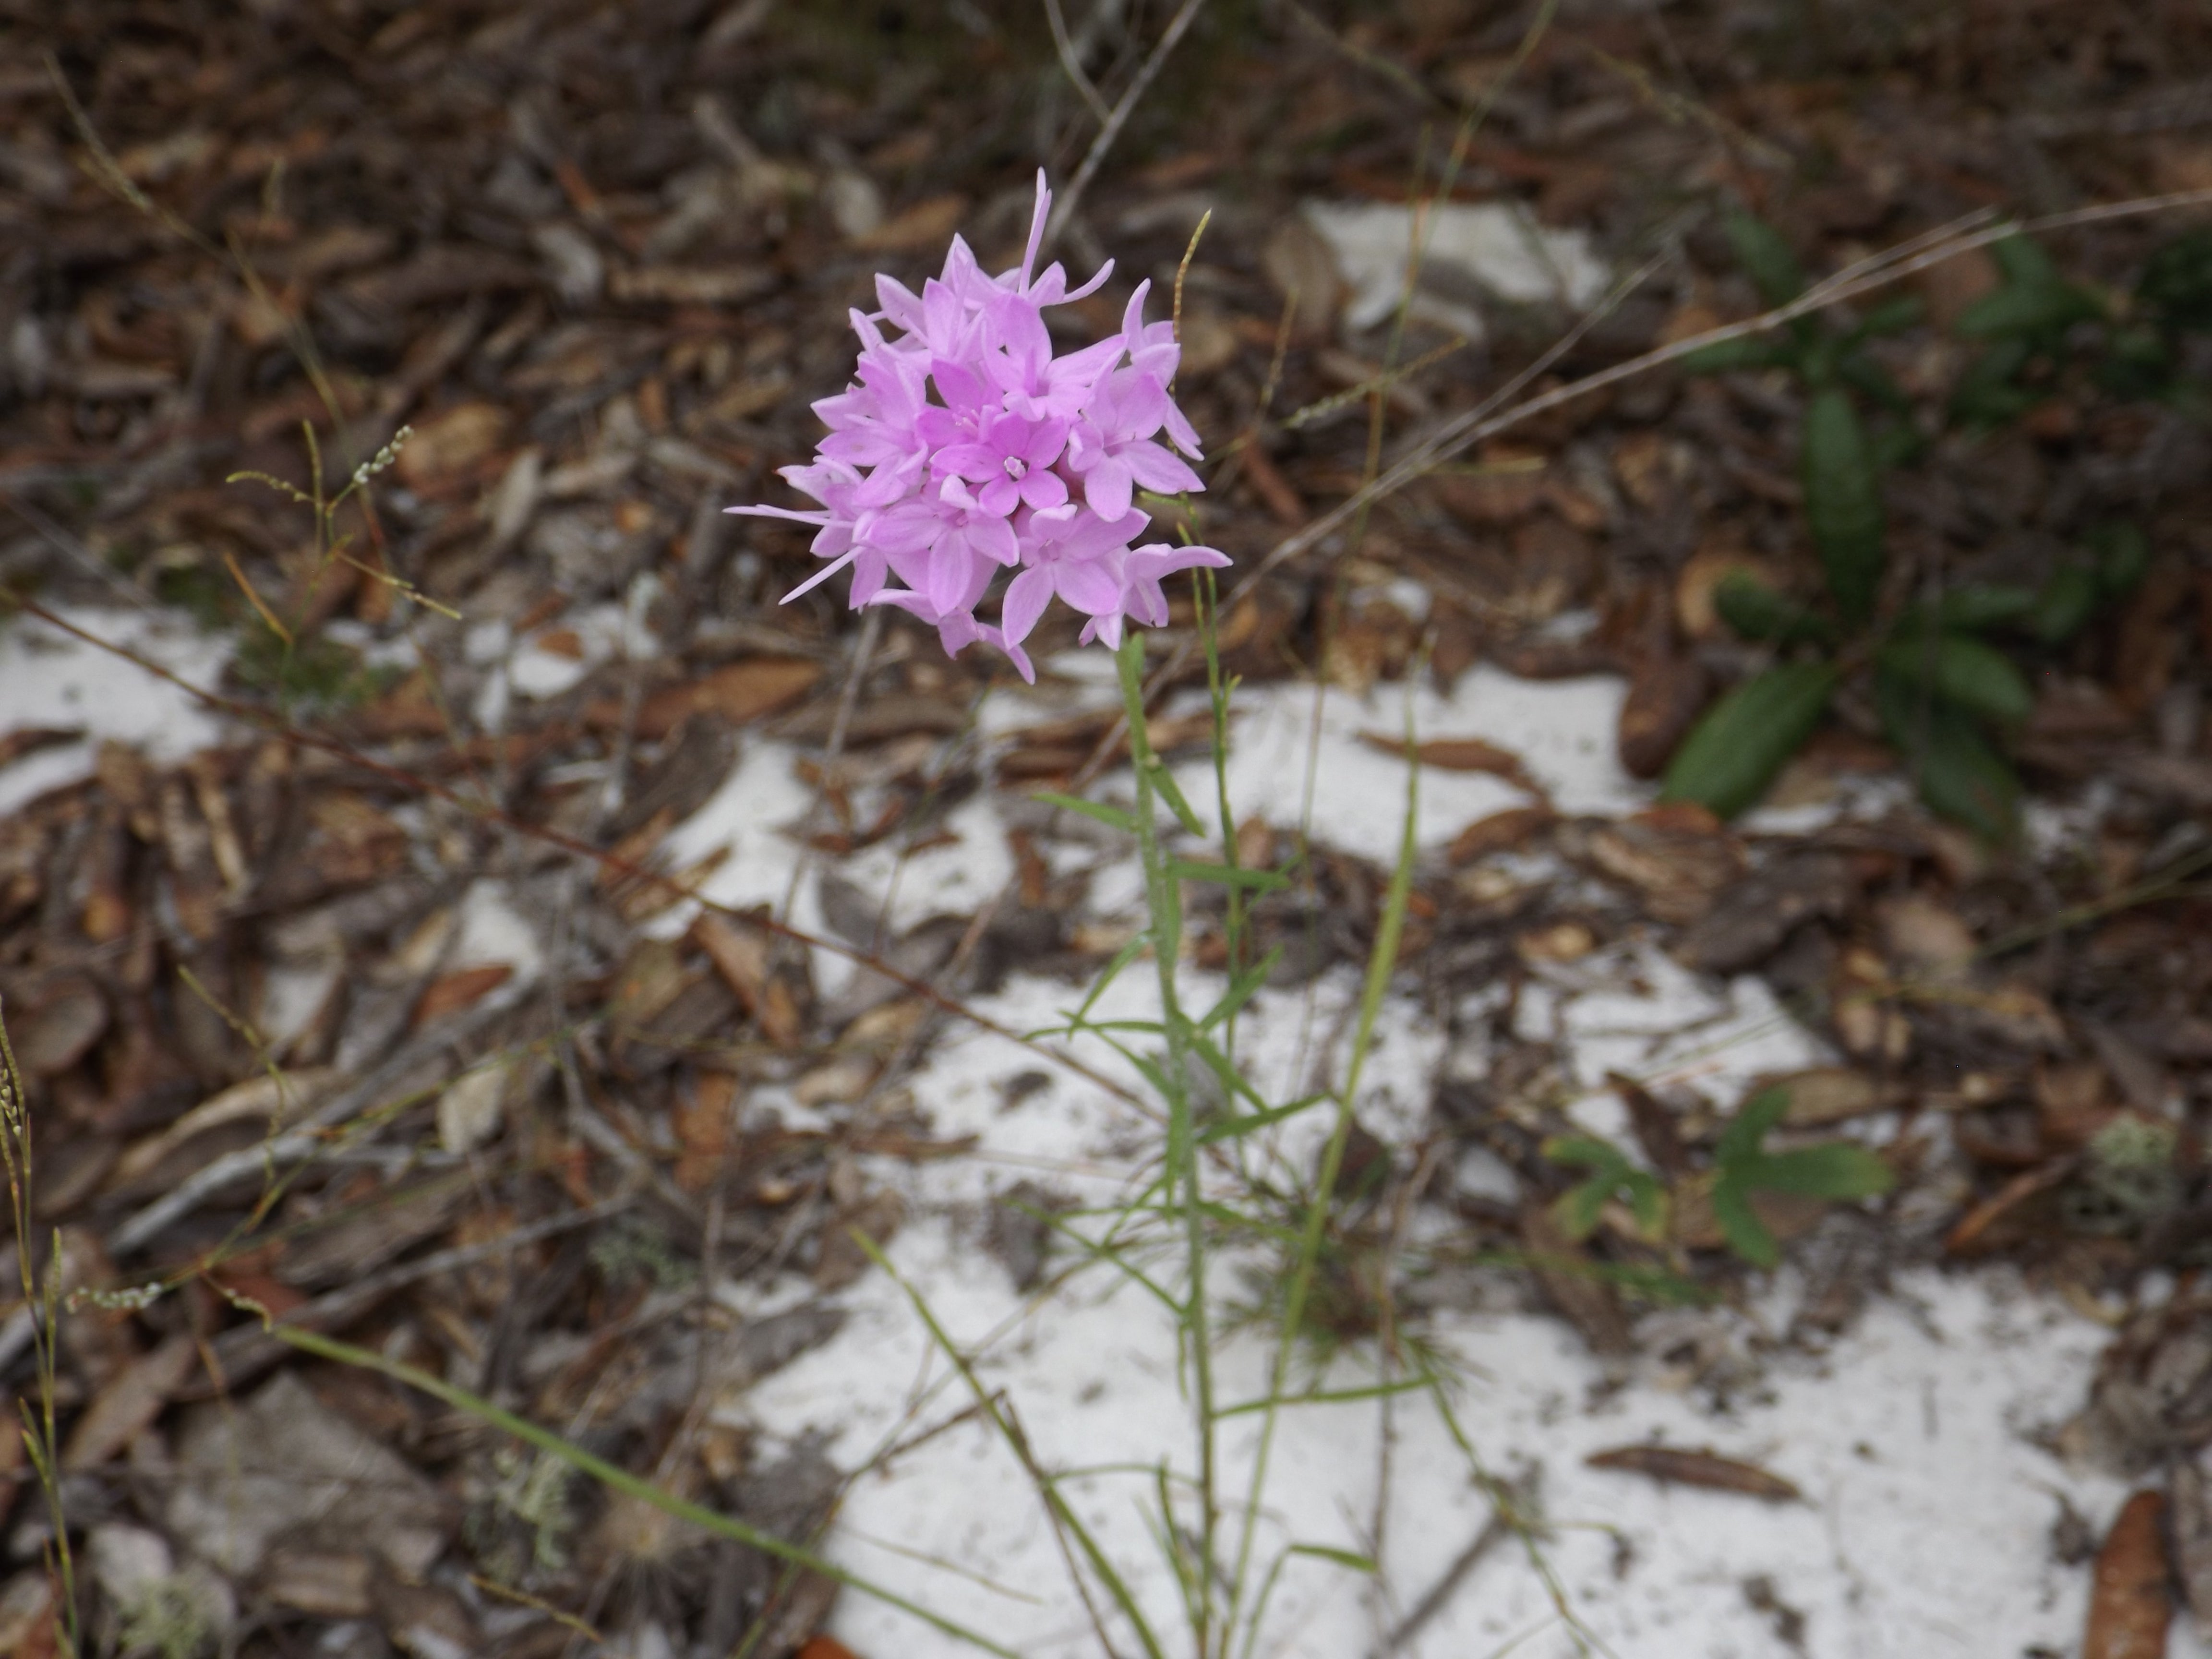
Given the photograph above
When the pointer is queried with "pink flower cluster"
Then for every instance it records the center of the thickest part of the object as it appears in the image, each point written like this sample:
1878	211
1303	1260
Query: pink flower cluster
1021	461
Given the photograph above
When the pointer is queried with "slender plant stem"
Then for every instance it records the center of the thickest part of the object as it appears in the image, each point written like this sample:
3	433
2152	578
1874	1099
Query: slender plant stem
1163	898
1381	962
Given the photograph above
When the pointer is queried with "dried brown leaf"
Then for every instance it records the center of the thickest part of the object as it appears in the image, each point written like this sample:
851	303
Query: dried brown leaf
1679	1465
2130	1606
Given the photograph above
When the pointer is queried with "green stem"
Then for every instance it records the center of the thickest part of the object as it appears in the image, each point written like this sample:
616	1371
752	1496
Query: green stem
1164	899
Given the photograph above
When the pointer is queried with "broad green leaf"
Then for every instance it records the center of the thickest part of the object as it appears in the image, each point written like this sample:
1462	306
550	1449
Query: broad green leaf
1740	1226
1963	779
1724	357
1835	1169
1727	762
2064	605
1963	671
1113	817
1842	502
1960	775
1756	612
1766	258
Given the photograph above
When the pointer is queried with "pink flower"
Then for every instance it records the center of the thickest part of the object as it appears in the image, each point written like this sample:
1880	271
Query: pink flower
1009	462
1022	459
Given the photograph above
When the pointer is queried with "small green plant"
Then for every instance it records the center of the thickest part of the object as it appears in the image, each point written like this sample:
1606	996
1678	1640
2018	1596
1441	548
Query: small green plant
1941	671
2128	1177
1743	1166
171	1616
283	657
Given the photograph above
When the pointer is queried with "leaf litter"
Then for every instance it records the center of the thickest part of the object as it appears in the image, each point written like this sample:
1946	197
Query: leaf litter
305	1036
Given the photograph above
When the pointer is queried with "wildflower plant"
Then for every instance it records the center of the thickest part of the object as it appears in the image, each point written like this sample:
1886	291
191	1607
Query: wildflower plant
965	448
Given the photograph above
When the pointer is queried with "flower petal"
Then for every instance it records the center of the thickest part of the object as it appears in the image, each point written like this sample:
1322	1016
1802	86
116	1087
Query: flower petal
1027	595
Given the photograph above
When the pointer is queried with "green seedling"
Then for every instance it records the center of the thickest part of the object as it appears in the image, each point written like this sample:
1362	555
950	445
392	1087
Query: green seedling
1611	1176
1743	1166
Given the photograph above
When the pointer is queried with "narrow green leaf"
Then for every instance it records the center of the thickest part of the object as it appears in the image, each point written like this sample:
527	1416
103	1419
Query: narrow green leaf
1836	1168
1113	817
1733	754
1122	958
1235	1128
1766	258
1258	881
1842	502
1749	1127
1587	1151
1329	1396
1963	671
1740	1226
1341	1558
1171	793
1242	989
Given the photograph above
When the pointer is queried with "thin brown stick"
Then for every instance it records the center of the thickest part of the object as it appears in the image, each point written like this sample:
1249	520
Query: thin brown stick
1072	198
1072	61
1877	270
